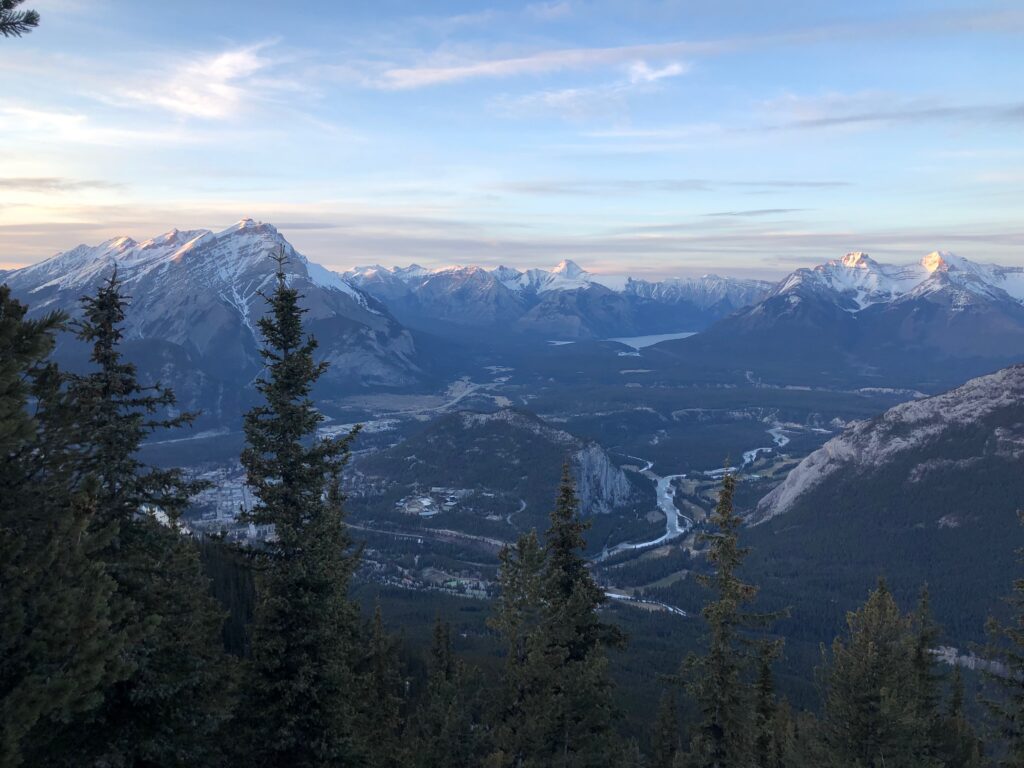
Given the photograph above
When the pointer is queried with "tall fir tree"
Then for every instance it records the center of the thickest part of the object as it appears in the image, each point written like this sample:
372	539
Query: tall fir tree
1005	675
301	687
58	650
566	690
383	696
769	744
15	22
722	734
665	741
444	733
960	745
179	675
516	617
873	716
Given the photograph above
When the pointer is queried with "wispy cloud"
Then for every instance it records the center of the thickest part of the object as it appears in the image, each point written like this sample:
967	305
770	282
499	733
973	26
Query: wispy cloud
633	186
756	212
52	184
213	87
556	9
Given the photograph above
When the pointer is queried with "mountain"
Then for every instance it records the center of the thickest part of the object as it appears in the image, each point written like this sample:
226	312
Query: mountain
195	298
565	302
926	324
926	492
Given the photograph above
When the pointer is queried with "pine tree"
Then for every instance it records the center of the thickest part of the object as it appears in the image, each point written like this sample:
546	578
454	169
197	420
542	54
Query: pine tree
566	693
516	618
960	745
57	648
1005	654
380	713
179	678
872	712
15	23
443	730
722	734
666	741
768	746
300	691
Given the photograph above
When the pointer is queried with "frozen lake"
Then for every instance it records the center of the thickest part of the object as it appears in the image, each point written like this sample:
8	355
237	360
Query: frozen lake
639	342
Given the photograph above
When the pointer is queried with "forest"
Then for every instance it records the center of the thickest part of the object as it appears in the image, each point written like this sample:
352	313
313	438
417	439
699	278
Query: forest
127	641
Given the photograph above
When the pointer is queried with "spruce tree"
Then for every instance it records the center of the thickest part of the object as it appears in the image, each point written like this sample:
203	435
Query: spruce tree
383	689
722	735
444	734
301	687
769	744
516	617
665	742
179	677
566	691
57	647
960	745
14	22
872	713
1005	674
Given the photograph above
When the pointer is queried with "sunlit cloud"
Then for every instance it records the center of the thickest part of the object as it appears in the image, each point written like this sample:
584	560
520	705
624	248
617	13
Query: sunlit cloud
213	87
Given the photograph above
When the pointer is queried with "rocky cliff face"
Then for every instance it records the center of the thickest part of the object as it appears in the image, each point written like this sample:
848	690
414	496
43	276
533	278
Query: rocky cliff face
981	421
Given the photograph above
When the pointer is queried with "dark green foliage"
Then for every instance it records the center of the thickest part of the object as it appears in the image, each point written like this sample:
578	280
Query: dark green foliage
231	582
665	742
179	678
57	647
299	693
15	23
722	735
559	708
382	696
444	732
1005	652
958	742
874	716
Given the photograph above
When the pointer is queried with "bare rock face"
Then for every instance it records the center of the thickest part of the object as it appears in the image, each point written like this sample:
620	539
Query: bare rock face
952	432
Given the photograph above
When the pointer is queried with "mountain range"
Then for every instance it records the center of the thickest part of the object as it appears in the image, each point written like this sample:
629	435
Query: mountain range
928	324
566	302
196	297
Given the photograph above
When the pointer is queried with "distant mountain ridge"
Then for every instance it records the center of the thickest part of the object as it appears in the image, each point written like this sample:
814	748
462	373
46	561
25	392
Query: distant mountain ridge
934	322
564	302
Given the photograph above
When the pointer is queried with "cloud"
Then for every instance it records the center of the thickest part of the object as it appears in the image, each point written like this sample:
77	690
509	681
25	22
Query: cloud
52	184
755	212
545	62
212	87
839	110
75	128
633	186
640	72
550	10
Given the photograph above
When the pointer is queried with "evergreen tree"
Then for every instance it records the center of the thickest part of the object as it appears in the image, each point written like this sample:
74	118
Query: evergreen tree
769	743
179	677
563	709
443	732
15	23
722	735
960	745
665	744
516	618
380	713
301	686
57	648
1005	653
872	712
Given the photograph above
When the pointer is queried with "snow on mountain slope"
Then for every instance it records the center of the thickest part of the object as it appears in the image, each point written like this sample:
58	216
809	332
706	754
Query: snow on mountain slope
923	432
858	281
564	302
201	291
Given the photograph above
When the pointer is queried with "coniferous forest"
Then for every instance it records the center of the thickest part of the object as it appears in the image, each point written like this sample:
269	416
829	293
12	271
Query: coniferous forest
127	641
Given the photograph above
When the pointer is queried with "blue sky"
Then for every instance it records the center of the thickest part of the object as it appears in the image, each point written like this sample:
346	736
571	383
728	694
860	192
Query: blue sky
668	137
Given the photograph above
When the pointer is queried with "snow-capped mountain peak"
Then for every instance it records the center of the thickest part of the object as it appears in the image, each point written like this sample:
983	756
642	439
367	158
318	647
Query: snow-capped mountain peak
858	260
568	269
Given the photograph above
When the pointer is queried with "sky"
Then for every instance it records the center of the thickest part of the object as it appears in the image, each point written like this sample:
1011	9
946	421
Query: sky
655	137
